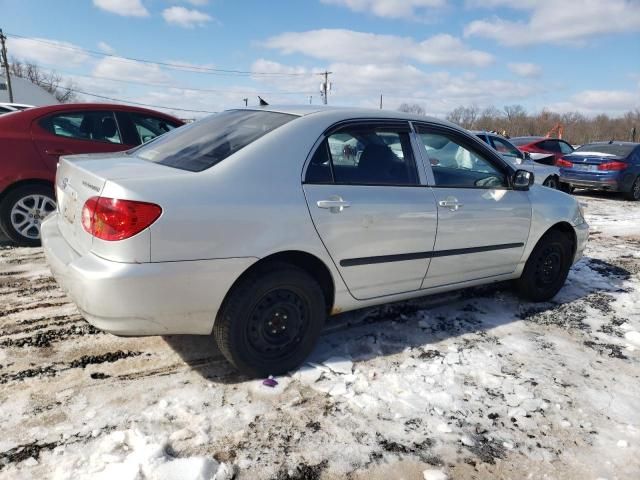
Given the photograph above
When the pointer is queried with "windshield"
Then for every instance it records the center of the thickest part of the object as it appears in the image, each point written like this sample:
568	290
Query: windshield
202	144
619	150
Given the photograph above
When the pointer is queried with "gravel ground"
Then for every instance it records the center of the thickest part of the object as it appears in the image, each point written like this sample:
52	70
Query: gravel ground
475	384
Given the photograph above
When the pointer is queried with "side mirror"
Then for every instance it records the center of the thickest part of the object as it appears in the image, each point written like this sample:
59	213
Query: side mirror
522	180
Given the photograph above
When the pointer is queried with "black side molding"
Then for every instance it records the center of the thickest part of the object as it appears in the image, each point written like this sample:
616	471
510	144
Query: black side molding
353	262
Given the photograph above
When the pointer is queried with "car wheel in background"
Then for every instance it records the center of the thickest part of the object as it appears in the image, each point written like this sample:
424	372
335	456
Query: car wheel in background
566	188
22	211
552	182
634	193
271	320
547	267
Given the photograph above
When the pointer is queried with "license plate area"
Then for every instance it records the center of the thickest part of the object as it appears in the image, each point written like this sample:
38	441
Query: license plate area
70	204
585	168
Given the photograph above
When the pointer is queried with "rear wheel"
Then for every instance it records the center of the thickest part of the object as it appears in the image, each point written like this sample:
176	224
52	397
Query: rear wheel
22	212
271	320
634	193
552	182
547	268
566	188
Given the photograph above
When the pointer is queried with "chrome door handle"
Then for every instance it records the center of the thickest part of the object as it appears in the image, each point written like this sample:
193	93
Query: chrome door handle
451	204
336	206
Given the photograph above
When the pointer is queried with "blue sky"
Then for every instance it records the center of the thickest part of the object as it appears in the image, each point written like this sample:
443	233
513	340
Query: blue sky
574	55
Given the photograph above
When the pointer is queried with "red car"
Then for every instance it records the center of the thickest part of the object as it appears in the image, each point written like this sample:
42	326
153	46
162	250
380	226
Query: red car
31	141
538	146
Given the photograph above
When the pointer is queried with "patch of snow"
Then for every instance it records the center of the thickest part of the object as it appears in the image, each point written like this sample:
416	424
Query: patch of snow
342	365
433	474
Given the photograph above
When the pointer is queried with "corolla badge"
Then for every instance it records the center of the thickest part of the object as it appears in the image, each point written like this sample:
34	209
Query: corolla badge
64	183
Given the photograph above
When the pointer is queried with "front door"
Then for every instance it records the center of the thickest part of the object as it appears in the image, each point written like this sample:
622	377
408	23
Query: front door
483	224
370	208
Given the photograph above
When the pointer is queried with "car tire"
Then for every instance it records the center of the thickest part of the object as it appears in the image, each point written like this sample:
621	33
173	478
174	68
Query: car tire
634	193
552	182
547	268
271	320
22	211
566	188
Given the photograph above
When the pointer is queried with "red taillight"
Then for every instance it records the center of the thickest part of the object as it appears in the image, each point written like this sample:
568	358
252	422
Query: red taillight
112	219
613	166
561	162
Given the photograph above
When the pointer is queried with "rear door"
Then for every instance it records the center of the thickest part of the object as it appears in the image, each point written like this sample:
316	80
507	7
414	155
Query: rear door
368	202
483	224
74	132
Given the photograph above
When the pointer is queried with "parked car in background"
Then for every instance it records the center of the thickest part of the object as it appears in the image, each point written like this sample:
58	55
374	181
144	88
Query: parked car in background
244	224
13	107
609	166
546	175
542	149
32	140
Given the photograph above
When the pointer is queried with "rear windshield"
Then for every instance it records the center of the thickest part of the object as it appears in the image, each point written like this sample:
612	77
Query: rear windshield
523	140
608	149
202	144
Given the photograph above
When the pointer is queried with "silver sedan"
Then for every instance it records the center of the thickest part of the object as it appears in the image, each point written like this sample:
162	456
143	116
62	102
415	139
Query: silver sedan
257	224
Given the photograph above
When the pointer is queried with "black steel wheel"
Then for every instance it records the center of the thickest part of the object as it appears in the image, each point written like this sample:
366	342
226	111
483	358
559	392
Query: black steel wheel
547	267
271	320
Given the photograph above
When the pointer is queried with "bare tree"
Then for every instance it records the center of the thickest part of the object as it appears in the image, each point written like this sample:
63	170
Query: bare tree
49	81
413	108
513	120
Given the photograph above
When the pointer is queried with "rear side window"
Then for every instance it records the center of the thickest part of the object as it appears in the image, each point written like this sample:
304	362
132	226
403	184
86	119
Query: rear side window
98	126
363	155
203	144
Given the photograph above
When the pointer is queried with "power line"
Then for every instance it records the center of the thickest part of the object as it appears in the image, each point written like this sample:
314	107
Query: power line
120	100
173	66
178	87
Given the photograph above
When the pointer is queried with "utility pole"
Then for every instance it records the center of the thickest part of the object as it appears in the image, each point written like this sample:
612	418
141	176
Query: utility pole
380	101
246	102
5	61
310	99
325	86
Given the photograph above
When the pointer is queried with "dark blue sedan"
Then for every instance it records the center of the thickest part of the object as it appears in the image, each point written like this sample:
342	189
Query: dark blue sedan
612	166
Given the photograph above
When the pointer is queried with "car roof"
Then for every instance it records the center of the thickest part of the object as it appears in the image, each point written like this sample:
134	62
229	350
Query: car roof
35	112
531	138
349	112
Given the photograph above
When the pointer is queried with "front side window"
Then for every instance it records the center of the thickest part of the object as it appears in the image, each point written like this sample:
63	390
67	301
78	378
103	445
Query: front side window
205	143
550	146
149	127
505	148
365	155
88	125
455	165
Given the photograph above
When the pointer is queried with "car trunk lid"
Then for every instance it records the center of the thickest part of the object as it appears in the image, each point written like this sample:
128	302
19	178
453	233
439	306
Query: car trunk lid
81	177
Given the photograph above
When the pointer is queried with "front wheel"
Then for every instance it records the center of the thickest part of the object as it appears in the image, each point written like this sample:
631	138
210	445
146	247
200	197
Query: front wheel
634	193
552	182
22	211
271	320
547	268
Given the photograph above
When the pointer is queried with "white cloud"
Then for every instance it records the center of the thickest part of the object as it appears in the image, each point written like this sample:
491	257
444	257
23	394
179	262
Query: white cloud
566	22
409	9
360	47
130	70
197	3
106	48
45	51
183	17
598	101
526	70
125	8
439	92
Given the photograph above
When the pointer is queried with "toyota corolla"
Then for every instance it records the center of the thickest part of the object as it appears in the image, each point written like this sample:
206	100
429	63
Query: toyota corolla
255	225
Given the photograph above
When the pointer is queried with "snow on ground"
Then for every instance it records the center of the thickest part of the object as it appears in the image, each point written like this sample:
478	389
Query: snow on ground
470	385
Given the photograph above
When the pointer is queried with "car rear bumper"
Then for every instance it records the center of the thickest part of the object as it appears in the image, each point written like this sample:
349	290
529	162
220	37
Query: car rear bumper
141	298
603	183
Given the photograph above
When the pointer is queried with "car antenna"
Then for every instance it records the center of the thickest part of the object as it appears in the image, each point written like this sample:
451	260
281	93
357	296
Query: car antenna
263	103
